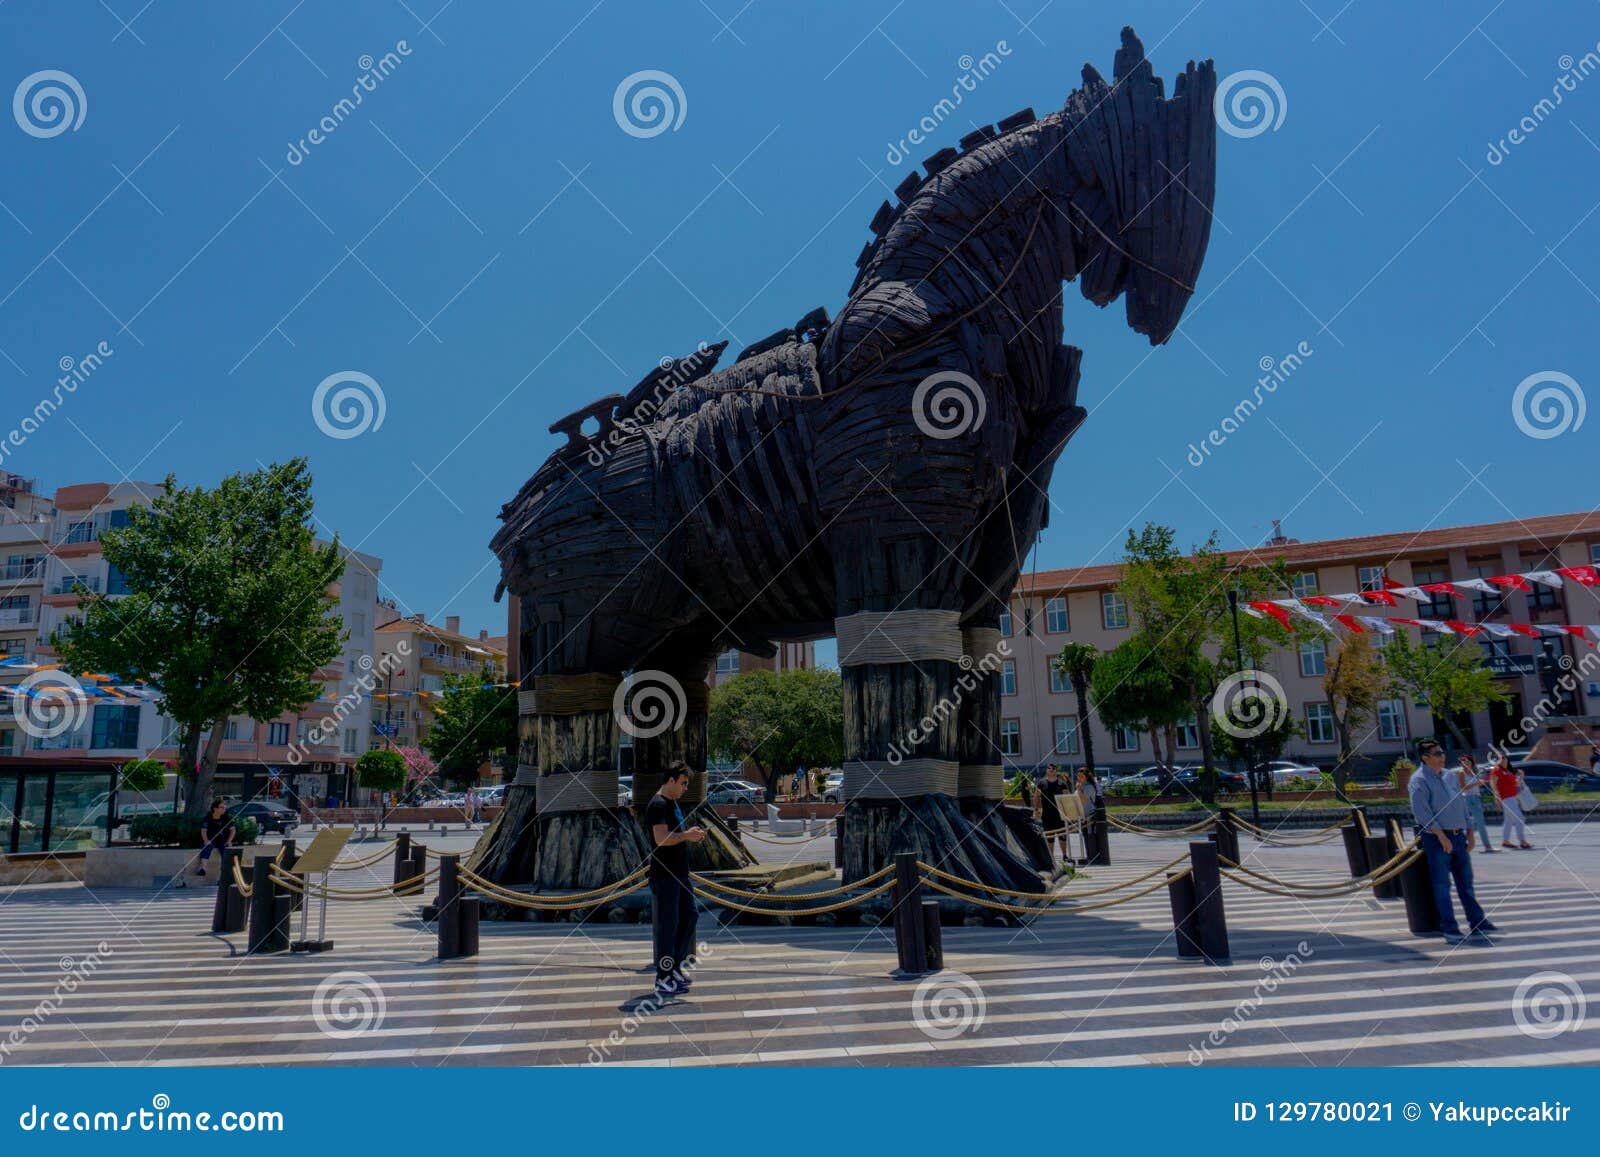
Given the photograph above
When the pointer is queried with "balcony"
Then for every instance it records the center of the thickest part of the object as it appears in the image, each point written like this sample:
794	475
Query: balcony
16	617
67	584
22	572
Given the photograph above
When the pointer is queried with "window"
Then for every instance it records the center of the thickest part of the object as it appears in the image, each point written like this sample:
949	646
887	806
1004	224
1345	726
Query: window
1391	719
1189	734
1113	611
1010	737
1496	654
1124	738
358	625
350	736
236	730
277	734
117	582
1008	677
1027	621
116	726
1066	732
1305	584
728	663
1005	623
1060	681
1319	723
302	731
1486	603
1055	616
1314	658
9	648
1543	598
1438	605
1370	577
1594	554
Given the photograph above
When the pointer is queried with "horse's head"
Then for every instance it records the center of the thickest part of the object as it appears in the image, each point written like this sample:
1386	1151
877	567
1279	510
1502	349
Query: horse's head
1135	175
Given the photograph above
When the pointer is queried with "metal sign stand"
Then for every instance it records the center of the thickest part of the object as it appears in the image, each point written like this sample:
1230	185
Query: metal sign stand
318	861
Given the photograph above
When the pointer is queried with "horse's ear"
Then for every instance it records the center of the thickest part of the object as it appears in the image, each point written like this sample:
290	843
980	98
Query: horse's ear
1129	56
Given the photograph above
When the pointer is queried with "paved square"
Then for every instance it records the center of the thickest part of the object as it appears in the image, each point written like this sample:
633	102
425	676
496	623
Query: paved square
1099	988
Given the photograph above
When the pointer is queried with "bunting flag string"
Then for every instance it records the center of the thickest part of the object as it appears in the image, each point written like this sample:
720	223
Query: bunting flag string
1316	608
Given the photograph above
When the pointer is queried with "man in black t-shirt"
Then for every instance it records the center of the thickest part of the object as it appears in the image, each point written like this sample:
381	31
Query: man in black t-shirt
672	914
1049	786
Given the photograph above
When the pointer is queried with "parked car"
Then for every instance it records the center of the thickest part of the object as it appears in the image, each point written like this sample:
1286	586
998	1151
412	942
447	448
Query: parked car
833	787
733	791
1187	782
1155	776
269	814
624	791
1543	775
493	796
1286	771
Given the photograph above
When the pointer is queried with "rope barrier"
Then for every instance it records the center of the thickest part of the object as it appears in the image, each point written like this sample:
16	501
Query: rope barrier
351	865
732	891
754	911
1051	908
590	899
1382	874
238	879
295	884
1158	833
974	884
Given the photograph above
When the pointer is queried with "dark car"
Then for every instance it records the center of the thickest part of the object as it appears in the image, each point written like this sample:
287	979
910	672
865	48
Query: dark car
270	816
1547	775
1187	782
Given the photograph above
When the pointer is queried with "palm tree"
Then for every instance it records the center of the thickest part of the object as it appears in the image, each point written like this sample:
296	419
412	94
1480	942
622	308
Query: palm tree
1076	662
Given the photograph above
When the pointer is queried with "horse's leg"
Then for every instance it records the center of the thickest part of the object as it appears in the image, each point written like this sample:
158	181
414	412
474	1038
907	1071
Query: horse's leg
678	734
900	652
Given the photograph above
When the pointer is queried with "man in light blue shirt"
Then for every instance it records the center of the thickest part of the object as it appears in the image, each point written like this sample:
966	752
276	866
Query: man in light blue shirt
1440	811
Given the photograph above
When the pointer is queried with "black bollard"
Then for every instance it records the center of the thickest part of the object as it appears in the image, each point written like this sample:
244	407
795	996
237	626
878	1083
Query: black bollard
448	910
1358	816
1226	835
402	859
1416	888
1355	850
1102	836
289	857
469	909
411	872
269	911
909	940
1377	856
1210	916
228	913
932	935
838	841
1185	926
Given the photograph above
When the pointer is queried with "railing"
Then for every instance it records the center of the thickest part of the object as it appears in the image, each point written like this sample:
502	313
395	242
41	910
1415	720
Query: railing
16	616
70	582
79	534
59	743
17	572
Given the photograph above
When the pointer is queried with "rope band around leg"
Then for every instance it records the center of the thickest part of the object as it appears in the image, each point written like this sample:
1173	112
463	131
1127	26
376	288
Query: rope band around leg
568	694
983	780
593	789
884	779
898	637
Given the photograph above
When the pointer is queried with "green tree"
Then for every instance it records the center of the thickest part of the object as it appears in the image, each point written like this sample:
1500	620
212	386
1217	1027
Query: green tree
1450	676
1356	679
143	776
1077	662
381	769
228	611
778	720
1131	687
1258	749
1180	603
473	724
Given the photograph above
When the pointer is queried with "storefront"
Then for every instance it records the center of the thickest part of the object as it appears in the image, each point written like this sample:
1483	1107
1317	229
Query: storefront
54	807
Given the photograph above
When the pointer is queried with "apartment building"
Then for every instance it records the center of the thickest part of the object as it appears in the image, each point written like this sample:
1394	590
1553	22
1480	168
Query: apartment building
417	657
789	656
1039	714
46	555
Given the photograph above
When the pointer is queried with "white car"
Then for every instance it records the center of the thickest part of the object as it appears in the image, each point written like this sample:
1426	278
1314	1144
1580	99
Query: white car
833	787
1286	771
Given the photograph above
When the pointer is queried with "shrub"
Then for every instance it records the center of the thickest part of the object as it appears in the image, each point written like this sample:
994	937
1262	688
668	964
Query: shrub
381	770
167	830
143	775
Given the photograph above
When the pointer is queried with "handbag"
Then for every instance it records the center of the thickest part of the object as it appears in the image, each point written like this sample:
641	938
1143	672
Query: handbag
1526	800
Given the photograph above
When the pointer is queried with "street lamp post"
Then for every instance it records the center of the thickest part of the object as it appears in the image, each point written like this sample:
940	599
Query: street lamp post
1249	747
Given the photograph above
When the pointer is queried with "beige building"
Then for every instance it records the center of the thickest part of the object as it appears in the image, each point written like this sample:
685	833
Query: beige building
1039	714
420	657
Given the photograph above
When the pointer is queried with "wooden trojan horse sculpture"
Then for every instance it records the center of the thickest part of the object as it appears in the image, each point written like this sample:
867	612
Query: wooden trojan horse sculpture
878	478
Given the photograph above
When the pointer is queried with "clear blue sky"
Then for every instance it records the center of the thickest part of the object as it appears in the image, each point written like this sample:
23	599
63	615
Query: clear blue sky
483	239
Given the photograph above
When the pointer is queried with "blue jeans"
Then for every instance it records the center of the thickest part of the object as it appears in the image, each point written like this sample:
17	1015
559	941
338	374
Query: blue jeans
1442	866
1476	820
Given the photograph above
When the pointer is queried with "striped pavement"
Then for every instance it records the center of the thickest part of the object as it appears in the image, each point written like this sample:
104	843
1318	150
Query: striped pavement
1313	982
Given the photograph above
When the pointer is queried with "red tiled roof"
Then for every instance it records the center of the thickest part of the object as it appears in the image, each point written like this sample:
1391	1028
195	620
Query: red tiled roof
1544	532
